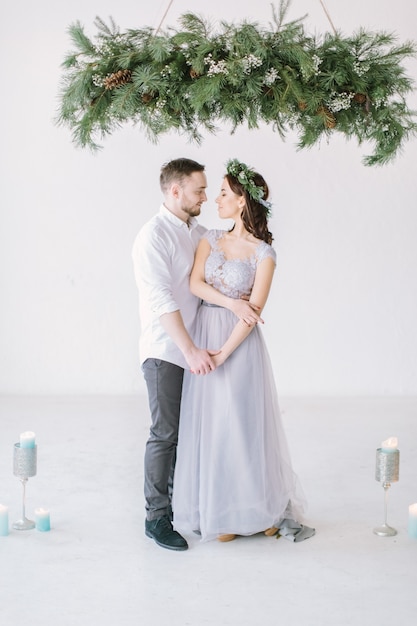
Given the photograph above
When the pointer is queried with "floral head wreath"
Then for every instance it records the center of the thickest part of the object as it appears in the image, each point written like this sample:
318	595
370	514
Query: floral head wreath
245	176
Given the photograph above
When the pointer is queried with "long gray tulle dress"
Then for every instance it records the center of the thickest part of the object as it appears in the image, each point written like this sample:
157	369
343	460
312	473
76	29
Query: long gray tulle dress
233	471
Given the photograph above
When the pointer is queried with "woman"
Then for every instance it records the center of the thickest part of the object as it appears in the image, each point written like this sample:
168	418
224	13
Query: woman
233	474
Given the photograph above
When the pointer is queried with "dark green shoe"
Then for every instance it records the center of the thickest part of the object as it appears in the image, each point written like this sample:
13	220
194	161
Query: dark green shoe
161	531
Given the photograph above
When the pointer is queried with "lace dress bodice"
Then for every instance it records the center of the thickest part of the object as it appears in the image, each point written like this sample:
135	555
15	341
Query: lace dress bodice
233	277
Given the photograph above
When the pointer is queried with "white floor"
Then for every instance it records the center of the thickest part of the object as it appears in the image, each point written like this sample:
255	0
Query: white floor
96	567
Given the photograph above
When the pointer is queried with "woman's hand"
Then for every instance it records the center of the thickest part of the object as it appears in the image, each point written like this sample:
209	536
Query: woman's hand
246	311
218	359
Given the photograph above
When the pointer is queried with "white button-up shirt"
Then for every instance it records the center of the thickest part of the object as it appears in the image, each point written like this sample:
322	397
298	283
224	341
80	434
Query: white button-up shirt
163	256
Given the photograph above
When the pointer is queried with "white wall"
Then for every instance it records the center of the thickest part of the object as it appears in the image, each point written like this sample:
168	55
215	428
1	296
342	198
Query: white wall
342	315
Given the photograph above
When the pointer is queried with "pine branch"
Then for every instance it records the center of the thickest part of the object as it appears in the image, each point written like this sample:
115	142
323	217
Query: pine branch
108	31
80	39
186	80
196	25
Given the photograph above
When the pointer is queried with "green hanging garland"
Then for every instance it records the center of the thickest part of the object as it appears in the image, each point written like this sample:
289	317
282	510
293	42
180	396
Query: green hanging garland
194	78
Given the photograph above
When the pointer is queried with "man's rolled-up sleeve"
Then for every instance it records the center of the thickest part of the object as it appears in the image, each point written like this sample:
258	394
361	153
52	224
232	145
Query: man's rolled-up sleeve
153	272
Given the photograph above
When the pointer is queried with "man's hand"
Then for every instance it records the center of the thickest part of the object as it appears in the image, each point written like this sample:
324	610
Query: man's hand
246	311
200	361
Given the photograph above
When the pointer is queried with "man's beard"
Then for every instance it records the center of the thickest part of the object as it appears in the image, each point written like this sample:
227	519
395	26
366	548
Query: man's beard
191	211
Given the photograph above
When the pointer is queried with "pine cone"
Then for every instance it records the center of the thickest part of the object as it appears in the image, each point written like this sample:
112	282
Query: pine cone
147	97
194	73
267	91
328	117
302	105
117	79
359	97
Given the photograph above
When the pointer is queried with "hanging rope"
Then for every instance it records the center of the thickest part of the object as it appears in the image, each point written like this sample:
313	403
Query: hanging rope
163	18
158	28
328	16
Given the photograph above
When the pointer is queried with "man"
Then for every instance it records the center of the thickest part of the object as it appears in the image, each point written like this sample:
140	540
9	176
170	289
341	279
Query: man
163	256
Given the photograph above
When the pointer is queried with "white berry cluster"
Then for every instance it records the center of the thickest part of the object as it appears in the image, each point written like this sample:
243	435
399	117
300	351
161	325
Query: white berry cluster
271	76
317	61
249	62
339	101
216	67
360	67
97	80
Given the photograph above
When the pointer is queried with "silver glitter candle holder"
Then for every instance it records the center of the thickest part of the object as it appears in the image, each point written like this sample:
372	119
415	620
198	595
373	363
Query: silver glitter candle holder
387	471
24	467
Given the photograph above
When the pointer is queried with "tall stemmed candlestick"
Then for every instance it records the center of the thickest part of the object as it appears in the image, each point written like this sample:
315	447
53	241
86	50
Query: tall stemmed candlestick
24	467
387	472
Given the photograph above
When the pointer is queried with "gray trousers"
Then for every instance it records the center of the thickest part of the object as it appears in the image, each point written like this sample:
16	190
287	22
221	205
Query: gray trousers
164	383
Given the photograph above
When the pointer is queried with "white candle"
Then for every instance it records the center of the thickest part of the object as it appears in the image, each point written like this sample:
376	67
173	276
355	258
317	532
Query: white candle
27	439
412	520
42	520
4	520
389	445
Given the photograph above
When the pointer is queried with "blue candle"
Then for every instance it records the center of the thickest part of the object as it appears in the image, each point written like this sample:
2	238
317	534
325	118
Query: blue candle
27	440
412	521
4	520
42	520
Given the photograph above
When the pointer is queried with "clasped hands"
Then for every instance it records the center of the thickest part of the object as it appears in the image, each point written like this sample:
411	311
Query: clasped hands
206	361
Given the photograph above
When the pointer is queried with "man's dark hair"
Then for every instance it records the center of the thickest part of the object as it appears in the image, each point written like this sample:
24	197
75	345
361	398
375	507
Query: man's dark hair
177	170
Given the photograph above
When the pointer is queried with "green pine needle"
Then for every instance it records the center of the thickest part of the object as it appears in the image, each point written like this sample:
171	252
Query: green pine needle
189	79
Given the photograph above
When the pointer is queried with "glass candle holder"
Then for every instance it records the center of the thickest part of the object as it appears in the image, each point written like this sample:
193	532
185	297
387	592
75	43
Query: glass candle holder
24	467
